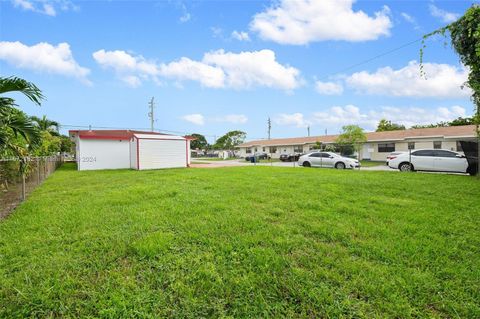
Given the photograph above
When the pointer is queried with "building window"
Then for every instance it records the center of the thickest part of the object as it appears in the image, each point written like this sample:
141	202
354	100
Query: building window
437	145
256	149
459	147
273	149
411	145
263	149
386	147
249	151
298	149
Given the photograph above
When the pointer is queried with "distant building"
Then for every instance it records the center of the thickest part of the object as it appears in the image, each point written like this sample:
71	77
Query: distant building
378	146
117	149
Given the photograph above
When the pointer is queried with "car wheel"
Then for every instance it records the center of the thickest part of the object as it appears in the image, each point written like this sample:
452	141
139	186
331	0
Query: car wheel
306	164
405	167
340	165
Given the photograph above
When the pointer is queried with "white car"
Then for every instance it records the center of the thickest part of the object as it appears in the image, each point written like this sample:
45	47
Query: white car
430	160
327	159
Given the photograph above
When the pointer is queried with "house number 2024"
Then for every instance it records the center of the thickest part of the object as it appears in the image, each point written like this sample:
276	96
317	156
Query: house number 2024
89	159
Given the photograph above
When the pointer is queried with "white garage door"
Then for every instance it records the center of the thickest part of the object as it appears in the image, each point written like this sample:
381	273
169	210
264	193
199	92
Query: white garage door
162	153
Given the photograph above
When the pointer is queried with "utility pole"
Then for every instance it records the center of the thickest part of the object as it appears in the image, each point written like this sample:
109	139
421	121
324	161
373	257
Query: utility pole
151	114
326	132
269	127
308	130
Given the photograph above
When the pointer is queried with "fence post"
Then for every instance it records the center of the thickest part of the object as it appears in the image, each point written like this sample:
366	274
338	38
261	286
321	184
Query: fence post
24	195
38	171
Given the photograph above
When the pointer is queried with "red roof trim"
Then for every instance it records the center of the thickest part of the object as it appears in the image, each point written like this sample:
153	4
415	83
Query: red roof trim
104	137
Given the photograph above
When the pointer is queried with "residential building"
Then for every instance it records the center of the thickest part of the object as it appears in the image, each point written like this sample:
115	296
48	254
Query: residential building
378	145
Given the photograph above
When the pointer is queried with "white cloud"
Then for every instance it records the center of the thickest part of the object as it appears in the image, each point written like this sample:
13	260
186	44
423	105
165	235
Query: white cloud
186	69
186	15
444	16
24	4
197	119
47	7
130	69
442	81
43	57
255	68
295	119
232	118
217	32
240	36
300	22
328	88
338	116
49	10
217	69
410	20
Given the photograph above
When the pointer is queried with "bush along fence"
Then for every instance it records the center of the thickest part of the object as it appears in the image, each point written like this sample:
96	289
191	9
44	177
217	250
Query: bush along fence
20	176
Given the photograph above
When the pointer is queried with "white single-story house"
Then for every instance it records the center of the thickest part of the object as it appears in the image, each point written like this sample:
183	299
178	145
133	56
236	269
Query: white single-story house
378	145
116	149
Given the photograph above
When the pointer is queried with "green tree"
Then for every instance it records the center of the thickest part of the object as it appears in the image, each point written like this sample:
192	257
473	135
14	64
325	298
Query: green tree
13	122
50	145
385	125
352	136
46	125
462	121
200	142
230	140
465	38
66	144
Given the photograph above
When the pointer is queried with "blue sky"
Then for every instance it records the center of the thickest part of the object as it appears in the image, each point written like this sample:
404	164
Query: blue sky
215	66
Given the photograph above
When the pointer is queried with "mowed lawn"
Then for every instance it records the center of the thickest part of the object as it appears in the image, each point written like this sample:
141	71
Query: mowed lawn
243	242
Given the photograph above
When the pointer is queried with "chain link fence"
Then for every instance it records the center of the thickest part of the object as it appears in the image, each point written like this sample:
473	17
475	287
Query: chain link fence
20	176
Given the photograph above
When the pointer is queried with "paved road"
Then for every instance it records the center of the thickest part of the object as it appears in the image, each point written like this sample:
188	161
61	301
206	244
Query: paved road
230	163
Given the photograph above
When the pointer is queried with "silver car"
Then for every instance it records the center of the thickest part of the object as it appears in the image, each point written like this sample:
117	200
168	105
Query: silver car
327	159
430	160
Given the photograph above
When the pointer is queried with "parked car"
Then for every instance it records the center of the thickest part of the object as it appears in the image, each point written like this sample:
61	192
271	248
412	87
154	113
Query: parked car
290	157
430	160
327	159
392	155
259	156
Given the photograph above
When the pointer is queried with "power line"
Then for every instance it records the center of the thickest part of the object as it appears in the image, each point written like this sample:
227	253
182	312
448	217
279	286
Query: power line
141	129
376	57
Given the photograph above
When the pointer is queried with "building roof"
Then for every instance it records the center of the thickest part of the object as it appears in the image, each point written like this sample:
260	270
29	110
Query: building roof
109	134
435	132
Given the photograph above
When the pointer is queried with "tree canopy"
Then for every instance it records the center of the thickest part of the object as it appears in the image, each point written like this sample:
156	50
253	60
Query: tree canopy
352	135
17	132
386	125
456	122
230	140
465	39
200	141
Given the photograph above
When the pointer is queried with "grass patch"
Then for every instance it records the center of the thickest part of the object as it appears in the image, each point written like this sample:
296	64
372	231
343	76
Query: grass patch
213	159
236	242
365	163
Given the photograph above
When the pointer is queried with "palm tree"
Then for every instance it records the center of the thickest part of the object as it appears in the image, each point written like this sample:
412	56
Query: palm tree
14	122
46	125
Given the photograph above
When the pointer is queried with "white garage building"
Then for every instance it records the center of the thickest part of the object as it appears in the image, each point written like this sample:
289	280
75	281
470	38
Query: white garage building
116	149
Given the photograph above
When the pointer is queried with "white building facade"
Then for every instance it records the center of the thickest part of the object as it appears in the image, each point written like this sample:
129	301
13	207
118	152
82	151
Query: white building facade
378	145
123	149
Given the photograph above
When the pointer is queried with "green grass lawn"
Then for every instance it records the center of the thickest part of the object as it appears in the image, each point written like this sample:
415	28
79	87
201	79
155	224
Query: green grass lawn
243	242
365	163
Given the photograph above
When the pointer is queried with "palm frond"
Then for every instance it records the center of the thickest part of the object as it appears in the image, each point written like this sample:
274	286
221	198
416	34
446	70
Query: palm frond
30	90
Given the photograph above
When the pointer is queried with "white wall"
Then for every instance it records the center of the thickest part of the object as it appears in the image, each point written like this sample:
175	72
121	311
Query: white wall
103	154
162	153
133	153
